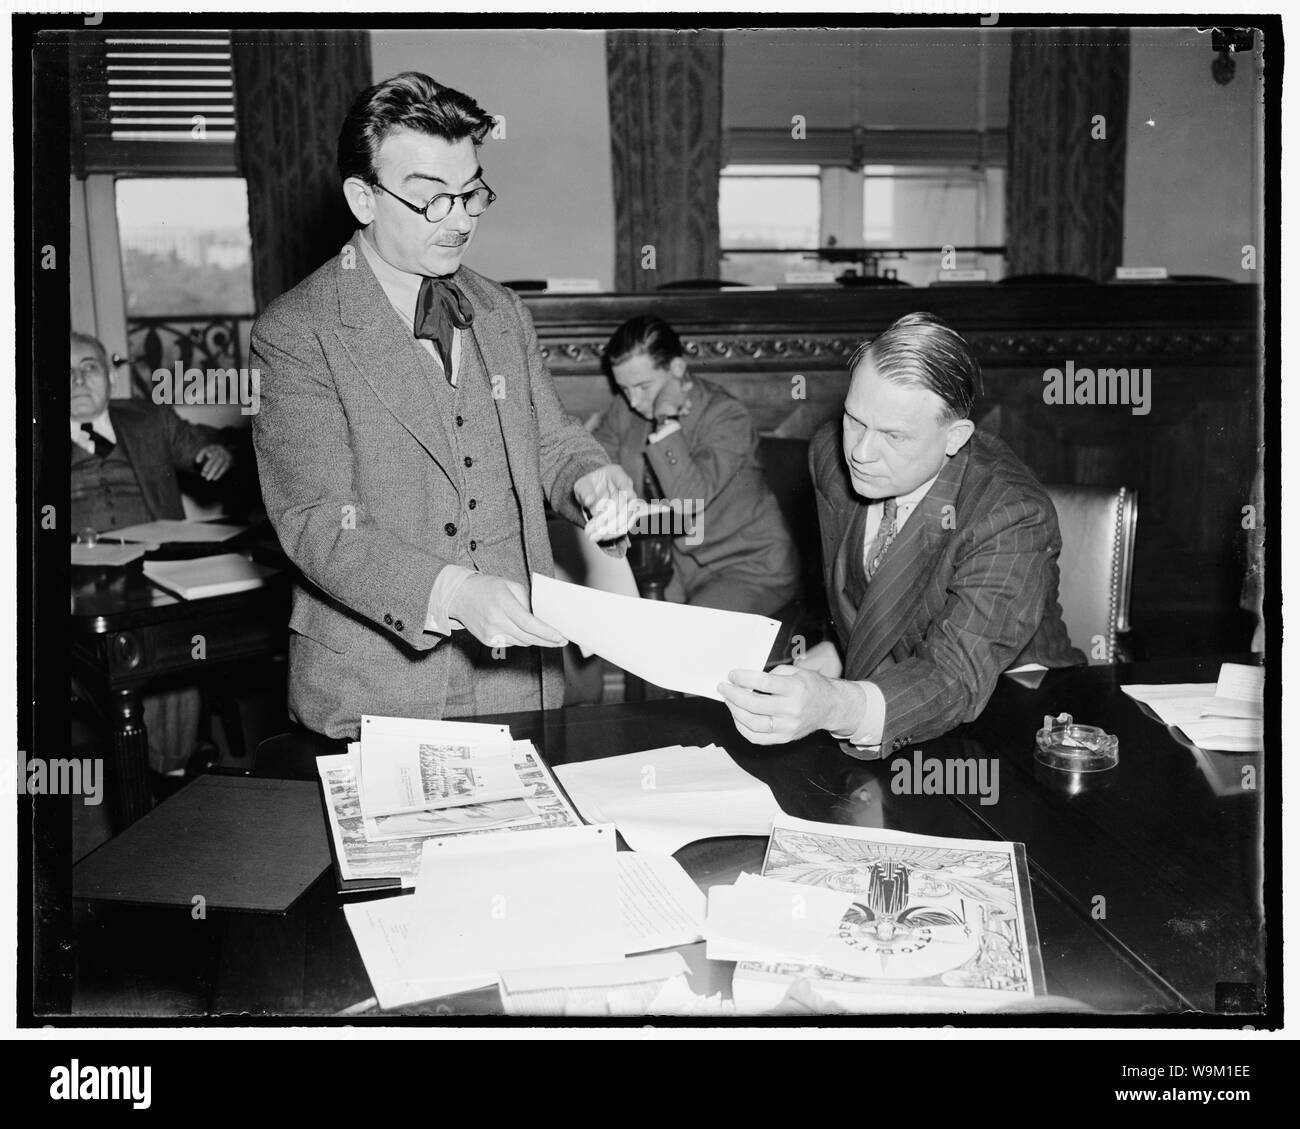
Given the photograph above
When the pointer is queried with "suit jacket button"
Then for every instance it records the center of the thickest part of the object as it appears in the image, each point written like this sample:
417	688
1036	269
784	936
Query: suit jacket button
473	545
388	619
450	529
400	625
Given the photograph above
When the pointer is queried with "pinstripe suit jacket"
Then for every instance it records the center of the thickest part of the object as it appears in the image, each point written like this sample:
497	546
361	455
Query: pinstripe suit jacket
967	590
358	477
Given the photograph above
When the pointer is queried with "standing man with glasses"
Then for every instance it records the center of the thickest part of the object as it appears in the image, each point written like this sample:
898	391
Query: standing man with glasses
409	437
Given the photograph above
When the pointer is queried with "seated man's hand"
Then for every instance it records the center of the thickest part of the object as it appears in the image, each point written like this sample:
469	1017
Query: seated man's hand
824	659
497	612
673	401
789	703
214	460
609	497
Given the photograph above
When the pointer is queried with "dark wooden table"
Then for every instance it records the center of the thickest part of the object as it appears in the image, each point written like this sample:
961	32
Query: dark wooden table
127	635
1146	881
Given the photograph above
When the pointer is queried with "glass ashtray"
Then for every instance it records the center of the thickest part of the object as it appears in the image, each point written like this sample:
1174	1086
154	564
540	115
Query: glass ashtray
1075	748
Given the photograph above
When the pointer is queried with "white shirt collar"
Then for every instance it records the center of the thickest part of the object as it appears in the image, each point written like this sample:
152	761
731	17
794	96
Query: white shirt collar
912	499
100	423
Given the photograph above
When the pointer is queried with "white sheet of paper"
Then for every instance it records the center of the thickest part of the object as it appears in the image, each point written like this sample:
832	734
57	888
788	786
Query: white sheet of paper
662	799
106	556
770	920
662	906
1239	693
172	532
1191	707
382	930
675	646
623	987
494	903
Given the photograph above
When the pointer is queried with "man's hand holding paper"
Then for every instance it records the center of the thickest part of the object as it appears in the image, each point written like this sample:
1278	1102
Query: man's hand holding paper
789	703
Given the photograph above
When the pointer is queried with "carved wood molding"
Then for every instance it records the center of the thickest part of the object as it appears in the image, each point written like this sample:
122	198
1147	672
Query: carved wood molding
579	356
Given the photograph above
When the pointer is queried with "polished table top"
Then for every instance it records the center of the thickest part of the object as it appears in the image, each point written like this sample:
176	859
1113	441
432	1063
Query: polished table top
1146	881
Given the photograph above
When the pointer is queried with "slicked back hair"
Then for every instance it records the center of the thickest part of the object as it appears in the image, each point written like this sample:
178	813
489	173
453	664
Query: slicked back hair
921	350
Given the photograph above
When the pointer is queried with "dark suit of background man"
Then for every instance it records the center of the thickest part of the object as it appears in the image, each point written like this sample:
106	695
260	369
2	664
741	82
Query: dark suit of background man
125	455
940	551
409	436
692	442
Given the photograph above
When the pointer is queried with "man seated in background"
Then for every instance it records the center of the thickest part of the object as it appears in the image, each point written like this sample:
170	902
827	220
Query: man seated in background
940	551
125	455
692	444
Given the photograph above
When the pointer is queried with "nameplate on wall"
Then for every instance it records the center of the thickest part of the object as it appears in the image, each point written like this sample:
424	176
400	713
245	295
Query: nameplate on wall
1140	274
809	278
573	286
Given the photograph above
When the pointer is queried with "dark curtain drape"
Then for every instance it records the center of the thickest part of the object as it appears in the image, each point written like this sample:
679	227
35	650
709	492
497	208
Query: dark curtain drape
1065	187
665	125
292	91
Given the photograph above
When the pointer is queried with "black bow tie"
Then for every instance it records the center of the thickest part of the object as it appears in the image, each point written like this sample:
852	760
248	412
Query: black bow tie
440	309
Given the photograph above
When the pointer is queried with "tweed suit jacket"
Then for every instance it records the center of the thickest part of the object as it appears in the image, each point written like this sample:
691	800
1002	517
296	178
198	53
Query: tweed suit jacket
157	443
967	590
713	463
358	479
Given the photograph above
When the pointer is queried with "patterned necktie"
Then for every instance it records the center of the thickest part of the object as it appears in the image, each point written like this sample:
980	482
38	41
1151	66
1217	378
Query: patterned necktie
884	537
440	309
103	447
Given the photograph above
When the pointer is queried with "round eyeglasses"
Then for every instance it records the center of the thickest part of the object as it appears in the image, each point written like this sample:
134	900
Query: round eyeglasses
476	202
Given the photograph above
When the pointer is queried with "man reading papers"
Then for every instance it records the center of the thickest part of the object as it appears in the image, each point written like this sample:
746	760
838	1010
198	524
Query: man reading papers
940	551
409	436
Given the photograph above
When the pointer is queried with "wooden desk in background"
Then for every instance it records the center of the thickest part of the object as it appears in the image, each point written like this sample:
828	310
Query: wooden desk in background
127	634
1146	880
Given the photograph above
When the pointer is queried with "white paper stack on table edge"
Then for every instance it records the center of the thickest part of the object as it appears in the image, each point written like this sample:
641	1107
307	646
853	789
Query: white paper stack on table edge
676	646
1226	716
203	577
662	799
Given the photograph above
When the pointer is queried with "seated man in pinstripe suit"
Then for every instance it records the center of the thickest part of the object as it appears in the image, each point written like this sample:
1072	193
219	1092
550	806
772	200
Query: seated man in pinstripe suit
940	552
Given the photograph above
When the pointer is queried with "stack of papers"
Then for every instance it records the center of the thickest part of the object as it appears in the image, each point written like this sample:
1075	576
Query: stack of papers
676	646
541	893
202	577
663	799
376	848
1227	716
554	903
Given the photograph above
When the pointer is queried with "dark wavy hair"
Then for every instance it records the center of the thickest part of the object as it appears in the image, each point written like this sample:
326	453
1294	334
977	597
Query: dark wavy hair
922	350
645	334
409	100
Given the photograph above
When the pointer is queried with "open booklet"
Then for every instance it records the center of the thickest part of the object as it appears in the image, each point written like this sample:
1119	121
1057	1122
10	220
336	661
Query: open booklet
409	766
915	923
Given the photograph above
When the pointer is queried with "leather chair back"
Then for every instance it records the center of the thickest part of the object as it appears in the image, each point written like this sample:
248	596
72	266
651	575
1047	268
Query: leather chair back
1098	524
